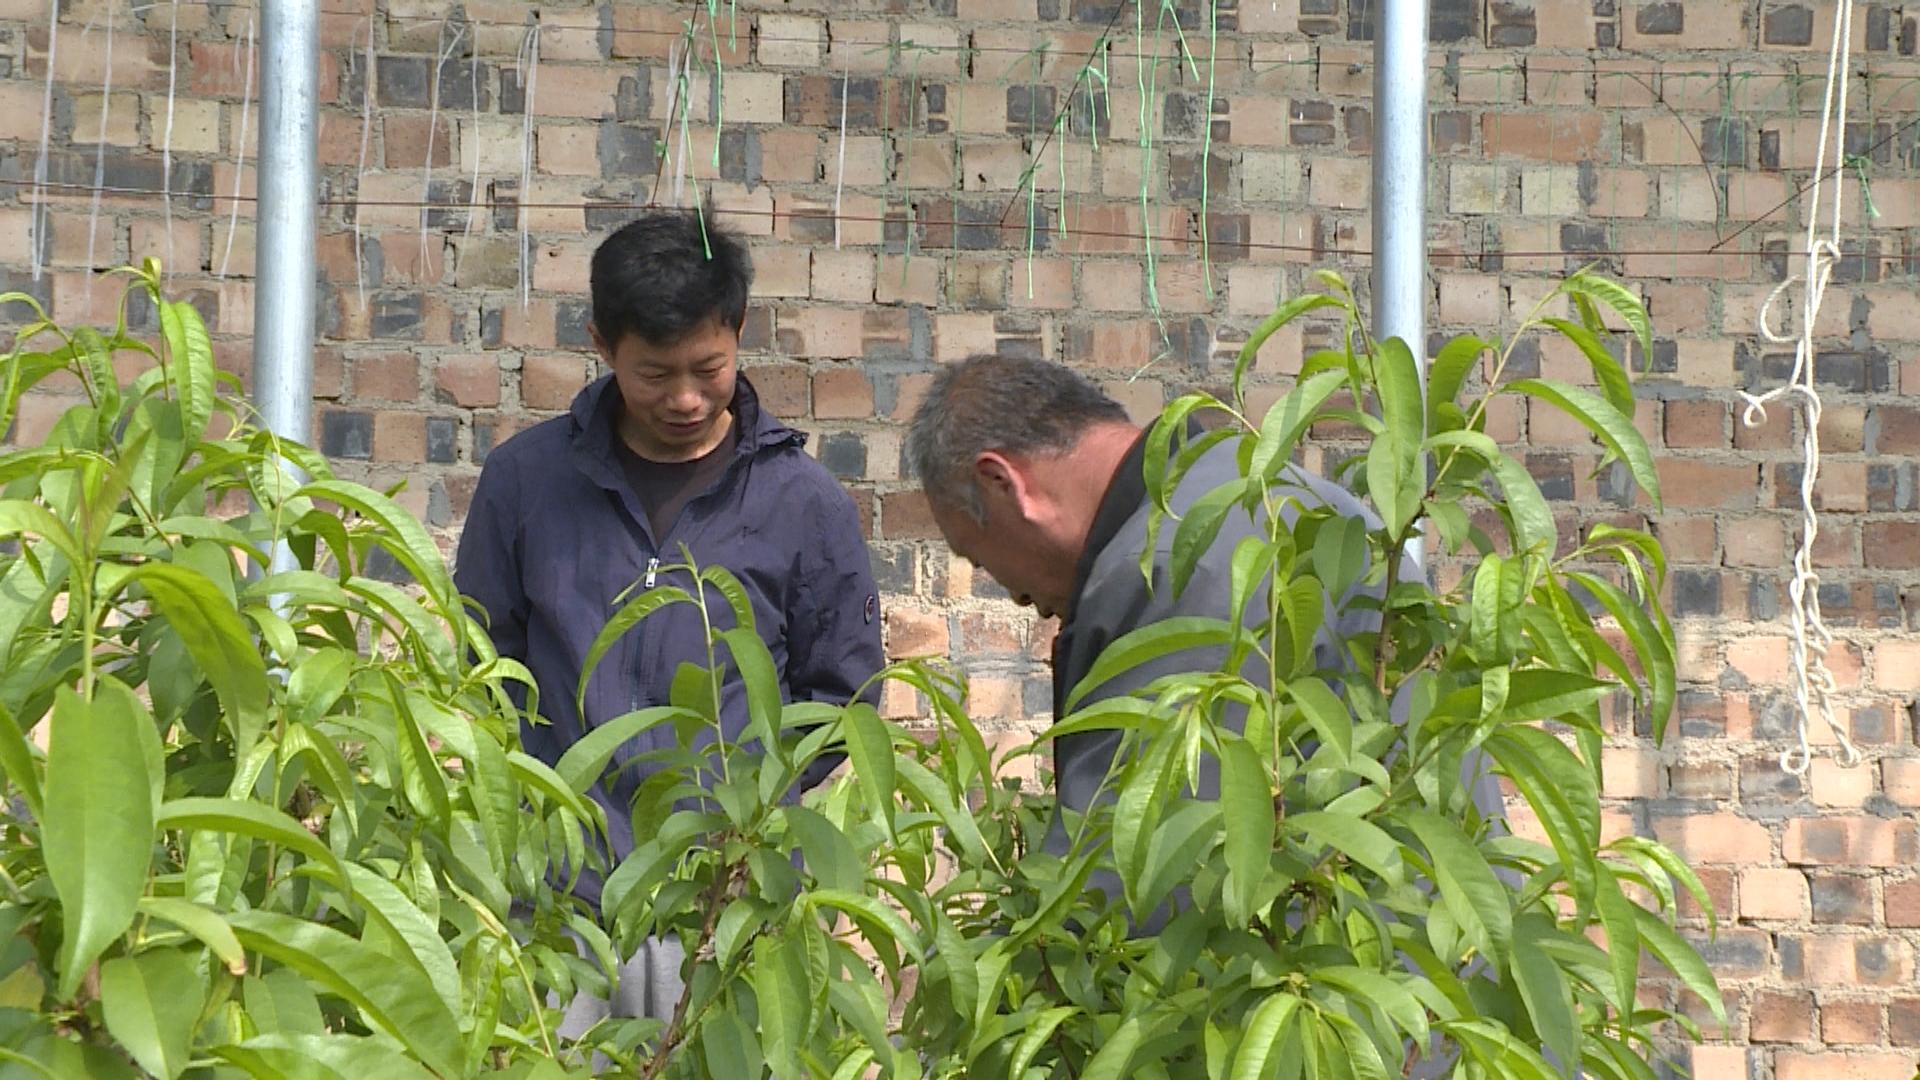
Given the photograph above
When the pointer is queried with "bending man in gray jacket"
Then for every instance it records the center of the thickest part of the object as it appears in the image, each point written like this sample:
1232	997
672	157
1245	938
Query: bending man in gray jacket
1035	476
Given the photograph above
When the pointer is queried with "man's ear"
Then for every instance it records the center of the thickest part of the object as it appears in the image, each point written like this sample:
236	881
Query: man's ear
600	345
1002	480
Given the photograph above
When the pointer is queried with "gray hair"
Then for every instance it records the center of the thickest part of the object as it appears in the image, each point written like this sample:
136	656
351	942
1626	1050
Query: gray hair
1000	403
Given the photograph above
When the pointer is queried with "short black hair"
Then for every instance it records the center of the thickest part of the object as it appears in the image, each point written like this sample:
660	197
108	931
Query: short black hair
1013	404
667	273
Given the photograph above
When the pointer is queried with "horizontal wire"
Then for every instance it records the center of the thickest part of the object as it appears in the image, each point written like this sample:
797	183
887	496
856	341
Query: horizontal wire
970	49
902	219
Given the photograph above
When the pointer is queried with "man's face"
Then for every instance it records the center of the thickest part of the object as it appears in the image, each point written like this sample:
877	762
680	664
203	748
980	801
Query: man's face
1014	551
676	395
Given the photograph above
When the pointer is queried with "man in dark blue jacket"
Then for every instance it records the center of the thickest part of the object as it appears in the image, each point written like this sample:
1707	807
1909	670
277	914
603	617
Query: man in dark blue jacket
671	448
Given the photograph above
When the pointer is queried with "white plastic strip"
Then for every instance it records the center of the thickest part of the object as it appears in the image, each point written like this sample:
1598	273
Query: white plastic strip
239	151
1813	683
39	218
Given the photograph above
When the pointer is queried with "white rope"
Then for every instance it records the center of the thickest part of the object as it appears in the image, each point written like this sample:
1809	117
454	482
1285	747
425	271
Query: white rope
367	86
99	155
528	64
840	177
1813	683
39	218
433	128
166	139
239	152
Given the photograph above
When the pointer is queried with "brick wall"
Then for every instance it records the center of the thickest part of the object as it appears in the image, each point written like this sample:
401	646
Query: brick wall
1638	135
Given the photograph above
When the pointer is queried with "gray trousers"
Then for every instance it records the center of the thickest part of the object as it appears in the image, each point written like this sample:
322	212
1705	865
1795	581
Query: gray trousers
647	985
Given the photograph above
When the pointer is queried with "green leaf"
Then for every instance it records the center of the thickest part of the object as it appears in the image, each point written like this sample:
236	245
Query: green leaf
388	906
729	586
958	962
1675	868
1402	406
1680	958
285	1056
1288	419
1546	992
1137	811
873	912
98	828
586	759
870	749
219	642
203	923
1473	896
1149	643
1392	481
399	532
18	762
625	619
1607	372
1362	841
1266	1027
1561	792
1038	1031
190	367
1534	531
19	517
1449	370
247	818
1282	315
730	1047
1325	712
1178	845
1615	431
755	663
1246	804
1380	991
1547	694
780	990
1651	645
830	855
281	1002
1623	302
1340	553
1198	529
152	1005
1115	1055
393	996
1171	425
1623	936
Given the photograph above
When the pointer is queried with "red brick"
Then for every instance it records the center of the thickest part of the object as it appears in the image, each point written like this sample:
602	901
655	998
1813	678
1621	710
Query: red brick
1903	1021
1903	903
1696	425
1850	841
471	381
1561	135
549	381
1897	429
387	377
1852	1022
782	389
399	436
912	631
842	393
904	515
1828	1065
1686	482
1777	1016
1892	545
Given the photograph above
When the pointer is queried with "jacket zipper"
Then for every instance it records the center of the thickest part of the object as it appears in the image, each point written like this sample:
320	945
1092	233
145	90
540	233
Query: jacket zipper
653	573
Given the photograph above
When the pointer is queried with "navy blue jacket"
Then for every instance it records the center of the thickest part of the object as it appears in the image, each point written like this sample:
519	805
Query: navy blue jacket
555	534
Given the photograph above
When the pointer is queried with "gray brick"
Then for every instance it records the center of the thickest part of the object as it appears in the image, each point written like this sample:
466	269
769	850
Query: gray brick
347	435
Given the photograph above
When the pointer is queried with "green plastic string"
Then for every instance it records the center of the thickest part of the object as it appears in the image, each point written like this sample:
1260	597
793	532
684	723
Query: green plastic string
1038	58
1147	89
719	80
1206	151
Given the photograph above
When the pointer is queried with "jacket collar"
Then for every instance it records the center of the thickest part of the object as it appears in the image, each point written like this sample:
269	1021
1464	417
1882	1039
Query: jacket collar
592	415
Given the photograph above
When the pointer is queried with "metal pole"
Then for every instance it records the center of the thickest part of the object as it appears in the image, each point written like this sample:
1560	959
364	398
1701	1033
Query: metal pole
289	185
1400	180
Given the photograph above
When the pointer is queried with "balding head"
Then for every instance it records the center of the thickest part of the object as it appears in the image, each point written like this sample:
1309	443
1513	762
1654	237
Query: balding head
1002	404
